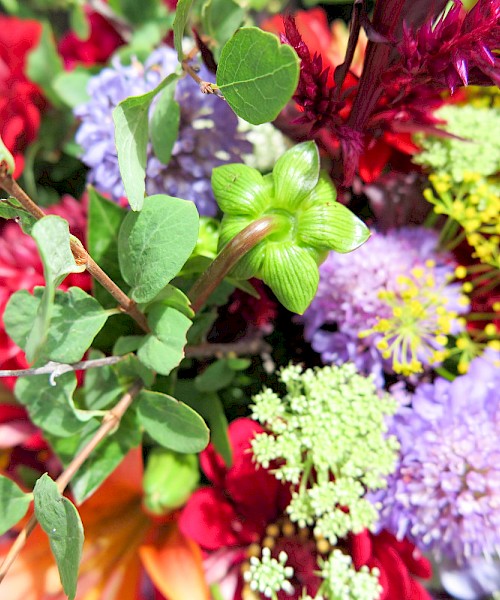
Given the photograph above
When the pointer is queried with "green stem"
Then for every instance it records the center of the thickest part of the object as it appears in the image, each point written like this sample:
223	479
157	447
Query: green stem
232	252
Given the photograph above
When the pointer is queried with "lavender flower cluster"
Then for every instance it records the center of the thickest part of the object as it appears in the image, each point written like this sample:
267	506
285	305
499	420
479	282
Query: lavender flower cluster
208	135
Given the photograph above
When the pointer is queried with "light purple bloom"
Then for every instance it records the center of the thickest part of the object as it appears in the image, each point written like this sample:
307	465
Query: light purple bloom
207	138
445	492
348	301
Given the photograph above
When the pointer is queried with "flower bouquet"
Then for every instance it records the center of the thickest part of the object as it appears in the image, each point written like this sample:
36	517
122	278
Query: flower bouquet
249	300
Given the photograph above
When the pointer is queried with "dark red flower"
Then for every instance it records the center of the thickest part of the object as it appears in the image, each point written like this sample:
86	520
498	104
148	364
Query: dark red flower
399	562
103	40
21	101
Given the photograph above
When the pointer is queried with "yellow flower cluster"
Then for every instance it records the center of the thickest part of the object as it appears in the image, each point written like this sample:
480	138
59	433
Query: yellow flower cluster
475	206
420	323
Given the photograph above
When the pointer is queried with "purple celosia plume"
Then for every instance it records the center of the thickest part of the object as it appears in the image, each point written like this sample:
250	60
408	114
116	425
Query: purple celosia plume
208	135
445	493
350	297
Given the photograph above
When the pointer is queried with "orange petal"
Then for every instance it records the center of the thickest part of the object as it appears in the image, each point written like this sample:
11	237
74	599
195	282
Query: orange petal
175	564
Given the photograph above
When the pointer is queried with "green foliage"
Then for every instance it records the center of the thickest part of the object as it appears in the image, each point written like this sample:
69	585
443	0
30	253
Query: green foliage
220	19
164	125
103	460
78	20
328	435
61	522
308	222
131	118
138	12
171	423
51	235
10	208
163	348
5	155
257	74
75	320
44	63
51	406
170	478
14	504
180	22
71	86
155	243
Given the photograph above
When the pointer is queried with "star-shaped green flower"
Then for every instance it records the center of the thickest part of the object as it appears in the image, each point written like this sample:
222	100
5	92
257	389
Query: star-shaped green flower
309	222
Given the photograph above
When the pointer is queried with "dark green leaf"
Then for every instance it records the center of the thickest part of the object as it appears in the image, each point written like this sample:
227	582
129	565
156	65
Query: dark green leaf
163	349
51	407
101	386
180	22
155	243
137	12
172	424
61	522
257	74
14	504
220	19
215	377
164	125
51	235
76	318
44	63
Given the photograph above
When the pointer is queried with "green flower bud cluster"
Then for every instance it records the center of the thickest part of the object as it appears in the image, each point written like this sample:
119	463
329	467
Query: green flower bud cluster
268	575
328	436
307	222
474	149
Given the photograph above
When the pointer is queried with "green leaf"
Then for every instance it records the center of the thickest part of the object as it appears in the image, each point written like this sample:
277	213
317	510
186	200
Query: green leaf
51	235
257	74
164	125
103	460
11	209
51	407
292	273
101	386
71	86
295	175
220	19
155	243
173	297
61	522
79	22
44	63
6	155
163	349
215	377
169	480
14	504
76	320
104	222
172	424
137	12
131	118
180	22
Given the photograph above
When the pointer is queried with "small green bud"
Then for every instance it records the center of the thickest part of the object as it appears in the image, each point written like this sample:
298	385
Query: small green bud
6	156
169	480
309	222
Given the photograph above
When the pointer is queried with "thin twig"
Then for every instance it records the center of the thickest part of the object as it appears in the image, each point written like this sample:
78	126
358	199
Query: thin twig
56	369
82	257
110	421
205	86
254	346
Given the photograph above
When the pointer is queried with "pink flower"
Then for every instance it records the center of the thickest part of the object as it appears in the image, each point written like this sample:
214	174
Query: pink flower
21	102
103	40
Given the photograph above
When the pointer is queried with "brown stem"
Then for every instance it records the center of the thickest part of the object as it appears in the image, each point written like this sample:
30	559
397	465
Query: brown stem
249	345
242	243
82	257
110	421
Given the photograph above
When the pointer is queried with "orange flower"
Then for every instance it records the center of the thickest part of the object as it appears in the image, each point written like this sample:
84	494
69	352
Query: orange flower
120	541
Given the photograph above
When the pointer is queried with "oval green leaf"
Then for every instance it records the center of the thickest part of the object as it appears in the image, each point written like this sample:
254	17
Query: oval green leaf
171	423
257	74
14	504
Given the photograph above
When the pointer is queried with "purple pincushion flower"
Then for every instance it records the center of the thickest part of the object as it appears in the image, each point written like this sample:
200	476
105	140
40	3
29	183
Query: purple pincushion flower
445	492
208	135
372	292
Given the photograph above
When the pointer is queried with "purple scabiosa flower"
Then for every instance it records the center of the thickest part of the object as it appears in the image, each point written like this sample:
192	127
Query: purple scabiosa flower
445	493
208	135
395	292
